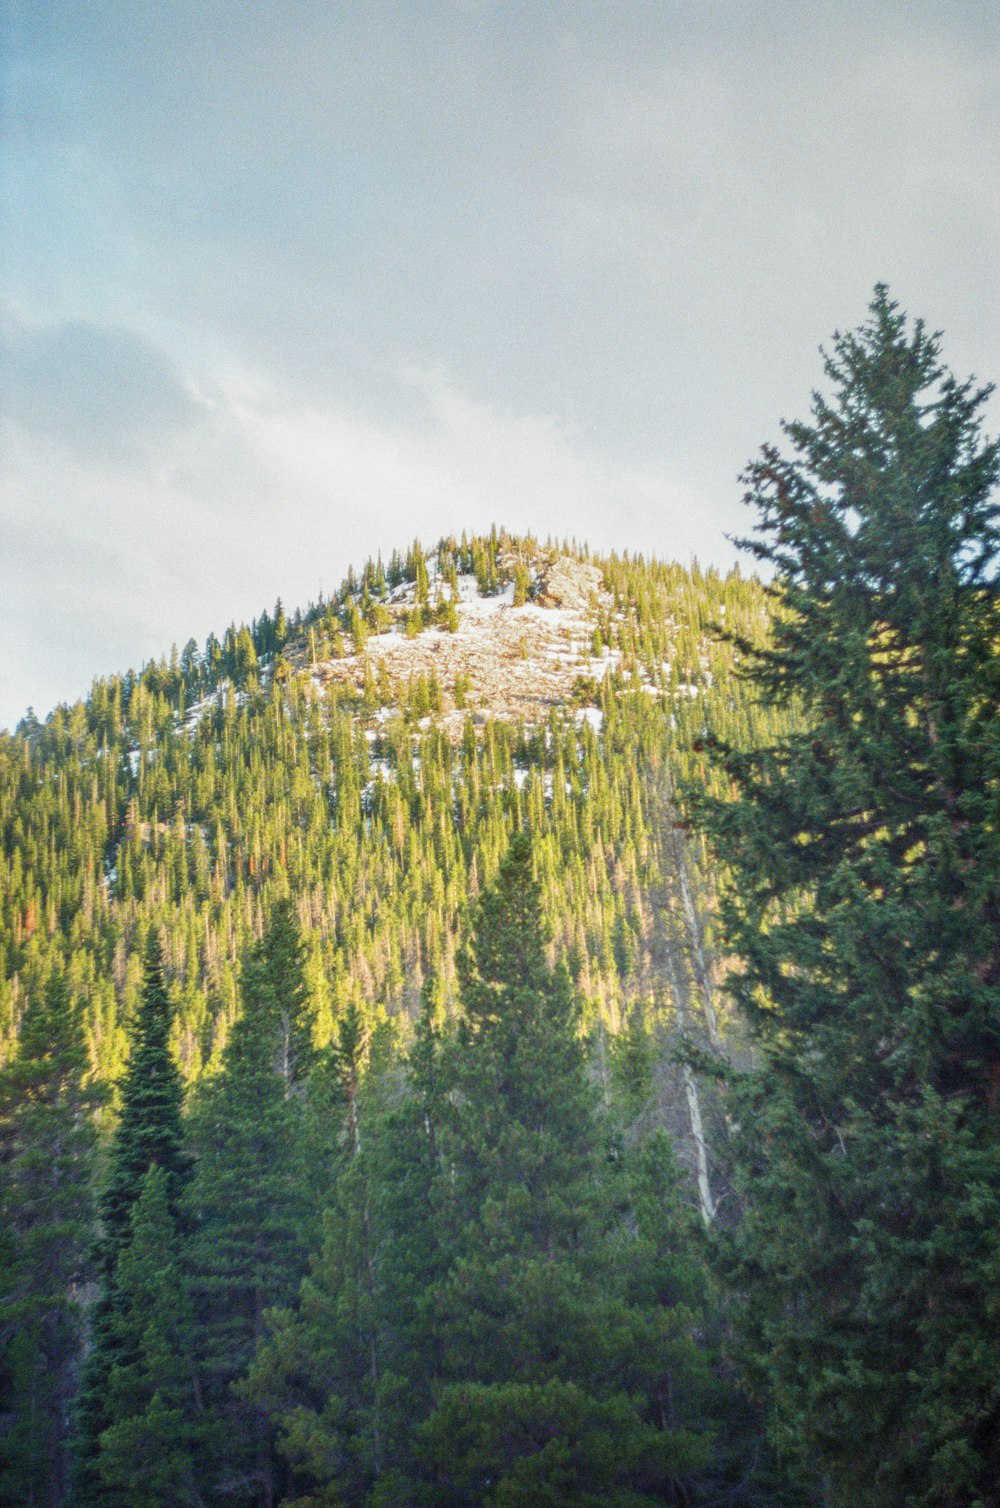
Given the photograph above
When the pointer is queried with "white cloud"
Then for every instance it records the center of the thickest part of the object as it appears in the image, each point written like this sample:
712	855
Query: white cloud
455	462
265	496
303	288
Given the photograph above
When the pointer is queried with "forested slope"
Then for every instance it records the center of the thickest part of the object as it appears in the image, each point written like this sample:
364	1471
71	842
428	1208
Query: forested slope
378	798
293	828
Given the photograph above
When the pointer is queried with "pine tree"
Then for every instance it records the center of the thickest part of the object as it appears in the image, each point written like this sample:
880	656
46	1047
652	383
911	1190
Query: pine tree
47	1213
552	1377
864	904
274	978
249	1207
346	1373
148	1134
148	1452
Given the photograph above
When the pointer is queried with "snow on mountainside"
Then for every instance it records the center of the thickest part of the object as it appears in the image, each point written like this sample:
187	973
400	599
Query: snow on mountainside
510	662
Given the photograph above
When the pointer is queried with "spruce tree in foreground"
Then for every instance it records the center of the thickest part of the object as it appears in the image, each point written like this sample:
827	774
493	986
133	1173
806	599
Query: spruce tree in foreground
248	1207
565	1379
47	1214
864	904
148	1453
148	1135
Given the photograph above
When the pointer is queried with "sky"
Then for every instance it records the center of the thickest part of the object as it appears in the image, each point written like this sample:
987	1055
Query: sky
289	283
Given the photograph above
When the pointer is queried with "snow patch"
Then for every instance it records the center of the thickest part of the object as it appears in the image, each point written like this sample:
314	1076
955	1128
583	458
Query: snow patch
478	606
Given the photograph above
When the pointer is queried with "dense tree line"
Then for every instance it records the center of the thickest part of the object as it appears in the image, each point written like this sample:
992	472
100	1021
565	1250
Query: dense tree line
440	1270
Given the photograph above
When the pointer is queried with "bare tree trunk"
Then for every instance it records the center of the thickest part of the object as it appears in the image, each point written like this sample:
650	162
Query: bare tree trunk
705	1201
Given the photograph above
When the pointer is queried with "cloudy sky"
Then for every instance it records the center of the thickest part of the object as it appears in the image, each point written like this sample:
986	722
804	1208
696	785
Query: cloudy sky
288	282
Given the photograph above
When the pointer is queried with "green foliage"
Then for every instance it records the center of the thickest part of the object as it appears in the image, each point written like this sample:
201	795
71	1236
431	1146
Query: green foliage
148	1451
149	1132
148	1135
250	1208
208	795
446	614
357	628
139	807
553	1375
497	1313
522	583
864	908
330	1373
275	993
527	1126
47	1142
414	621
529	1444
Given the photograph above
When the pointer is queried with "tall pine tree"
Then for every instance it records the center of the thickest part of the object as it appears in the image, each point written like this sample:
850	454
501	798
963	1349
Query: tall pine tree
249	1208
47	1143
864	904
149	1452
148	1134
559	1383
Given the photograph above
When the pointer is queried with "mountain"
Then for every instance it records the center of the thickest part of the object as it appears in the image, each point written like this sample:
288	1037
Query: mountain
368	756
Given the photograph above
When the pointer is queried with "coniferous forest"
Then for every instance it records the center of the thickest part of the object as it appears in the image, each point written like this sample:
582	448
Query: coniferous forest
420	1090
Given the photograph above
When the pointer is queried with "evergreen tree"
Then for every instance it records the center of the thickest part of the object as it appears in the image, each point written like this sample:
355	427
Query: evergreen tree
275	984
46	1215
347	1372
248	1207
280	625
527	1133
553	1379
148	1135
244	657
149	1132
148	1452
864	905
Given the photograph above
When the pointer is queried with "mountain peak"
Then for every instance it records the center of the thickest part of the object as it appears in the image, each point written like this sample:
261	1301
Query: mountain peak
491	653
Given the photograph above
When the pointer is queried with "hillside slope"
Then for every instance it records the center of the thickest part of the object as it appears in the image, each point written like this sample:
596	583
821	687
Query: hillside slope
510	662
369	757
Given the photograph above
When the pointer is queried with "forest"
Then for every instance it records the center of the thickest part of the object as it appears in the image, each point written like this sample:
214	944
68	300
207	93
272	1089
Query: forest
416	1093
